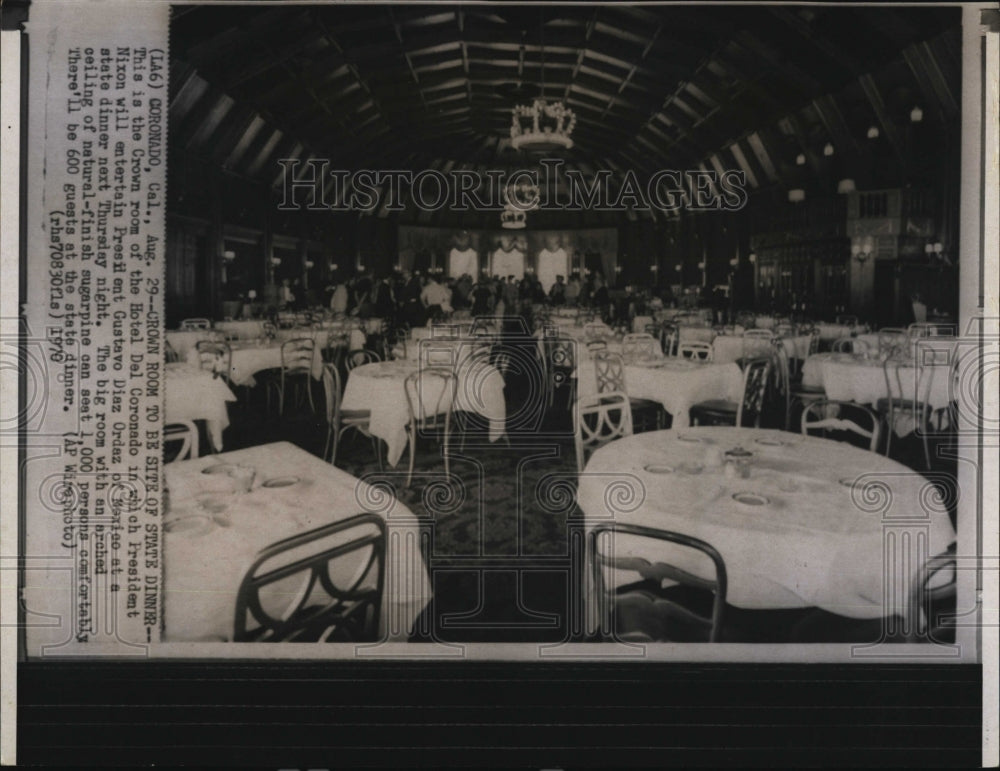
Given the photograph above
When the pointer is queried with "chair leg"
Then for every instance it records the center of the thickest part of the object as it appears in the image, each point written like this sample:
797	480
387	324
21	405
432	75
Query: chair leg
378	454
888	434
309	393
411	441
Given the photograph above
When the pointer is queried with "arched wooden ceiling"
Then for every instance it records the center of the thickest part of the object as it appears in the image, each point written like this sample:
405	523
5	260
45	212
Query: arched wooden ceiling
653	87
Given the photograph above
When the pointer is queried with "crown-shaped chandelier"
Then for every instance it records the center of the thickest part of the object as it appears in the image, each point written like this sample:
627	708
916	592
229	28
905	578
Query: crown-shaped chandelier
513	219
520	197
542	125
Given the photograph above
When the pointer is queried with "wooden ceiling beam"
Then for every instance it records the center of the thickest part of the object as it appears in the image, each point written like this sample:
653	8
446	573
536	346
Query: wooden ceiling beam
874	97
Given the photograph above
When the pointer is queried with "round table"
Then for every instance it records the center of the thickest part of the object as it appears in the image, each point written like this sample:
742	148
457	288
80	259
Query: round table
379	388
834	526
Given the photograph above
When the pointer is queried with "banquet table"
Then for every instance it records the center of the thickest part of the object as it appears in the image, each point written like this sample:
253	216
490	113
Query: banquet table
204	564
677	384
194	394
379	388
810	529
248	329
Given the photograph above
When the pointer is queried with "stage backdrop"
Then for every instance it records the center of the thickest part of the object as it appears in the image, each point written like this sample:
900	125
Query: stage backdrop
421	248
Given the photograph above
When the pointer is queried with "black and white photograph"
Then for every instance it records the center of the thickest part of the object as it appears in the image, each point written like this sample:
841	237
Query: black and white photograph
626	334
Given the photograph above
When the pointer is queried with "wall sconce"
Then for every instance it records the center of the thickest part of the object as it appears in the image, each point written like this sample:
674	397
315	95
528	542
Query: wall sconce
846	186
752	258
678	267
701	265
276	261
333	266
873	132
916	114
800	160
361	266
862	248
618	268
797	195
654	268
734	261
827	149
252	294
229	255
309	264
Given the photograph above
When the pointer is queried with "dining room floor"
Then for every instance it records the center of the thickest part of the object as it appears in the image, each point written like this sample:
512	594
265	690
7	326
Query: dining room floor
500	565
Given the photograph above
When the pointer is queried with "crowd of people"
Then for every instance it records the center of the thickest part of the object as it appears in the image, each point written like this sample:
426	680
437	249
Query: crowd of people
414	298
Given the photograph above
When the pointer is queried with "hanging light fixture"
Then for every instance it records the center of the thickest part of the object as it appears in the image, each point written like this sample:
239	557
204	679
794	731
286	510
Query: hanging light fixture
916	114
800	159
873	132
828	149
542	125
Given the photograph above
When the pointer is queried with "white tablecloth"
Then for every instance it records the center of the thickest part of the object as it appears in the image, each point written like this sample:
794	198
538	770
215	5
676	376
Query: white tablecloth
379	388
677	384
194	394
249	358
815	542
249	329
203	569
184	342
854	378
729	348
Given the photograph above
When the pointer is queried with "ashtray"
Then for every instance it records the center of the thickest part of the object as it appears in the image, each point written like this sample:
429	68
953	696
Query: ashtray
751	499
281	482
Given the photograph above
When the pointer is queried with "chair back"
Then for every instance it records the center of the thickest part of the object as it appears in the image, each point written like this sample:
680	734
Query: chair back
430	398
600	419
755	378
297	356
194	325
826	415
322	585
610	372
185	432
846	320
696	351
919	330
893	341
668	339
640	346
927	617
784	329
639	612
360	356
597	345
332	391
215	357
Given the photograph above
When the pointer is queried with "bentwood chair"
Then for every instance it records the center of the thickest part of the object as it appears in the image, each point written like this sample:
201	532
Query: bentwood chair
185	432
696	351
296	367
599	419
324	585
756	373
668	339
756	342
691	608
932	601
836	417
360	356
430	400
195	325
908	383
342	420
609	369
